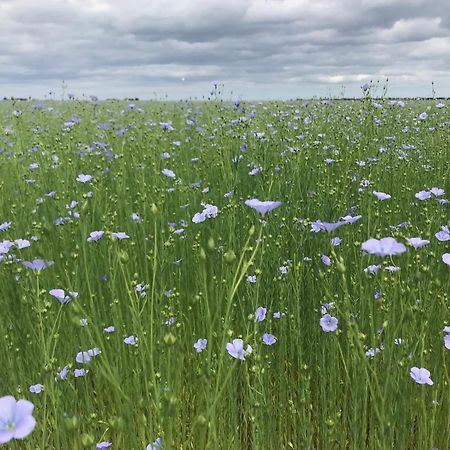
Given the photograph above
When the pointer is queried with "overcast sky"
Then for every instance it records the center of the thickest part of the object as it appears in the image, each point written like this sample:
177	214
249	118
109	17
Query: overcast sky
256	48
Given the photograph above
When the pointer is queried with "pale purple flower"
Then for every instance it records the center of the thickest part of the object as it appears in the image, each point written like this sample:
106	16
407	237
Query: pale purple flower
277	315
130	340
351	219
167	125
85	357
200	345
417	242
102	445
61	296
63	374
36	388
392	268
251	279
168	173
437	192
38	264
283	270
336	241
372	352
260	314
326	260
384	247
328	323
210	211
157	445
135	218
318	225
269	339
95	236
381	195
262	207
423	195
199	217
22	243
236	349
5	225
443	235
77	373
423	116
446	258
447	341
109	329
421	376
16	419
5	246
120	235
82	178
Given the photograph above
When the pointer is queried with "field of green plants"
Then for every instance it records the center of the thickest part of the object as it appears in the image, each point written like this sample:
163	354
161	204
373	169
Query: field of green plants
225	275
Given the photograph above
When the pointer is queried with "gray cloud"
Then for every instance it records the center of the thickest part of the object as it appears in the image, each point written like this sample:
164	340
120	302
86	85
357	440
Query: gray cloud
257	48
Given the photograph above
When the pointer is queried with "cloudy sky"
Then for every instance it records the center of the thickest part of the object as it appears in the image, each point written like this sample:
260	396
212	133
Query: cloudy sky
256	48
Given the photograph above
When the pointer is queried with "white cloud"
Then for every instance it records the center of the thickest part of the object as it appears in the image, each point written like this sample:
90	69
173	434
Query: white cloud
260	47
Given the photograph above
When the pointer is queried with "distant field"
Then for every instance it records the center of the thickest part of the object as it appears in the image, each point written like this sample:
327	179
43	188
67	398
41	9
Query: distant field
132	263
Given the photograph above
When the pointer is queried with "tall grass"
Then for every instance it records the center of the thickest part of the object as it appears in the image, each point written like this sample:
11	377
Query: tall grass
311	389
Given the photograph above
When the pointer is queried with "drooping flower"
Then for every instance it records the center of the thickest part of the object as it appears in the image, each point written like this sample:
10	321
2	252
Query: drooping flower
383	247
328	323
262	207
421	376
236	349
200	345
16	419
